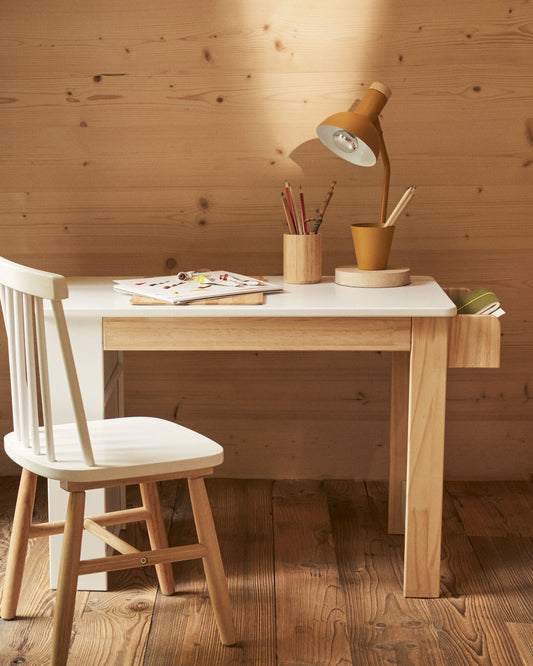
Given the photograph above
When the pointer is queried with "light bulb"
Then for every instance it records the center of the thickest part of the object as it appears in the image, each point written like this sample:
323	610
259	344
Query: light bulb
345	141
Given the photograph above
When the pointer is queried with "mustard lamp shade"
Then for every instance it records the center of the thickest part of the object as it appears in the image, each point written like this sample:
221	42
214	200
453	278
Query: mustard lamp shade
355	135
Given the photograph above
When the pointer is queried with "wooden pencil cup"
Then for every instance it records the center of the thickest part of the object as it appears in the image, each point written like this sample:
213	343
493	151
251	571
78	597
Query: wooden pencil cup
302	258
372	243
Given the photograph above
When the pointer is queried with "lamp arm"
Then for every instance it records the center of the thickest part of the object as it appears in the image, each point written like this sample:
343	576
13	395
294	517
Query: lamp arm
386	174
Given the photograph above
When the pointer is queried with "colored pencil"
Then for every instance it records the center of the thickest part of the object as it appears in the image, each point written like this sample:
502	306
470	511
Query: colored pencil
302	207
294	210
288	215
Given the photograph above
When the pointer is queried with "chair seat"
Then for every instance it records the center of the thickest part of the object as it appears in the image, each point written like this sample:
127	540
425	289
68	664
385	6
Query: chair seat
123	448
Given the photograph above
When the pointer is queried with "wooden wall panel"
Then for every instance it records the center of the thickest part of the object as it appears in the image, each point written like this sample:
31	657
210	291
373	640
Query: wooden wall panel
141	137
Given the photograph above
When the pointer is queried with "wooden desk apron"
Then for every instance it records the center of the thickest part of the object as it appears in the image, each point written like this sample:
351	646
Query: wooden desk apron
257	333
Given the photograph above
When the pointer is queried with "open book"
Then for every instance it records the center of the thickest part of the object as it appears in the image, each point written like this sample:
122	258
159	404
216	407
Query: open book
194	286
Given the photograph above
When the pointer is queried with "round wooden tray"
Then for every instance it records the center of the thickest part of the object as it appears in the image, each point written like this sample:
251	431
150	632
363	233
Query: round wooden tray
351	276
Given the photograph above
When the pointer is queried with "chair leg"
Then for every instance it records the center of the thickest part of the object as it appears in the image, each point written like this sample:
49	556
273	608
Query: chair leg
18	545
157	535
68	579
214	569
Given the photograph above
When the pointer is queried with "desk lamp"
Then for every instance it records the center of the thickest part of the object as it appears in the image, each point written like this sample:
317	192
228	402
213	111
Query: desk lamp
357	137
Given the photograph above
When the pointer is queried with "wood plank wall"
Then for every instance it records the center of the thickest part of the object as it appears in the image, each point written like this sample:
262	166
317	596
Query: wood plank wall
140	137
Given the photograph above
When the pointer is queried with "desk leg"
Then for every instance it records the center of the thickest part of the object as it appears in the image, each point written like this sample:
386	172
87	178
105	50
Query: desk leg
425	457
398	441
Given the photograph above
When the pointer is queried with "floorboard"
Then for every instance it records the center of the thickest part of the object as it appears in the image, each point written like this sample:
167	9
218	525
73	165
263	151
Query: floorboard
314	579
310	602
242	511
384	626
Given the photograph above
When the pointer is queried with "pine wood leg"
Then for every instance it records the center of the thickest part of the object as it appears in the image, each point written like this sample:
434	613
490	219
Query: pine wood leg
425	457
18	545
157	535
68	579
398	441
214	569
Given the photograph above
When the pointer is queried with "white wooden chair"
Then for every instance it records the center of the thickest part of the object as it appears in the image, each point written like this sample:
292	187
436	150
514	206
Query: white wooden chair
94	454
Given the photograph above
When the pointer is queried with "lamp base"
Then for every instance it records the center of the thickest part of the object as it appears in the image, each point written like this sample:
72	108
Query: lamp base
351	276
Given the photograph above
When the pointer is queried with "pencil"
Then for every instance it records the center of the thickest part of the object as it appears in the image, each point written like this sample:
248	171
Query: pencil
297	221
302	207
287	211
400	206
294	216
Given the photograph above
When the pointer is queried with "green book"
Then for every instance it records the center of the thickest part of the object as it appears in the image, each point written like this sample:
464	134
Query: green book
479	301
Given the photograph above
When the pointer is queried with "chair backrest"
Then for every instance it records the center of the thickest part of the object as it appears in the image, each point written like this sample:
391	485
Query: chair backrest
22	292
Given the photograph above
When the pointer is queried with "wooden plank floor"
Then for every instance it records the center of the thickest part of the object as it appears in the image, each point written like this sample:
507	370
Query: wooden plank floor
314	579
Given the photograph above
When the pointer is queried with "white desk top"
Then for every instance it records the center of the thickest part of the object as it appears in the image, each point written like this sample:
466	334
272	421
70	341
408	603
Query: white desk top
422	298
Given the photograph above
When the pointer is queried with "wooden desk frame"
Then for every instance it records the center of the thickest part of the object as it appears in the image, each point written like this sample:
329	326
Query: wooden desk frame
422	347
419	347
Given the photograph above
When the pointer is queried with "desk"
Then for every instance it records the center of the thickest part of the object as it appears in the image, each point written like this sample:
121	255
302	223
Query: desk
410	321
